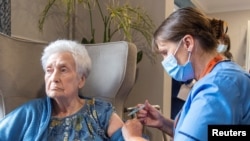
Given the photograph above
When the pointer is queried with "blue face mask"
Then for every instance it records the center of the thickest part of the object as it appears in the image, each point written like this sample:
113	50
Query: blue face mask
178	72
221	48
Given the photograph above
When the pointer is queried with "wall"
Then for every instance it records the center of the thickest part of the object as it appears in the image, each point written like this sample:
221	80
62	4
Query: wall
237	23
24	21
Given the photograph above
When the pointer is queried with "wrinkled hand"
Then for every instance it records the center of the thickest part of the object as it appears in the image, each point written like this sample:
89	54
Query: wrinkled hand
149	116
132	129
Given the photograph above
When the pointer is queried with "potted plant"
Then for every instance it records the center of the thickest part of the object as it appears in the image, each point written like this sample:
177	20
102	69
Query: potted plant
133	23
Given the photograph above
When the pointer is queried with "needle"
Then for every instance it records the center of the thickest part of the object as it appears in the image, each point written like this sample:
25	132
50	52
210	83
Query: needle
136	110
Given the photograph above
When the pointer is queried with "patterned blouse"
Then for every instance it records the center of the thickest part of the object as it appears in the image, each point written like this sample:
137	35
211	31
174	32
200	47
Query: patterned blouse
90	123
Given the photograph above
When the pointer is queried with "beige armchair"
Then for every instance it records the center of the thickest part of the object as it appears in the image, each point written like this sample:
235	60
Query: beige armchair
21	75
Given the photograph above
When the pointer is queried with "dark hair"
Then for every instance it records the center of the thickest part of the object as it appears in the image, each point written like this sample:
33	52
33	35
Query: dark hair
226	41
185	21
220	29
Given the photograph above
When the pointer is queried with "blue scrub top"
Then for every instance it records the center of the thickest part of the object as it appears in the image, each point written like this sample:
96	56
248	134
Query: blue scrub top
220	97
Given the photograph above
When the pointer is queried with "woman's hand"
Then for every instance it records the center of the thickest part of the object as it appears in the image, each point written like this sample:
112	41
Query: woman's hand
132	130
150	116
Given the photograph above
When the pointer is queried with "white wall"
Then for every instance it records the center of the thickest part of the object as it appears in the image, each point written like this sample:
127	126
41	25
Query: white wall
237	30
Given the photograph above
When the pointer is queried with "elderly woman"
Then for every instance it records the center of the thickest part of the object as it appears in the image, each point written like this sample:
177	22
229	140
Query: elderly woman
221	93
63	115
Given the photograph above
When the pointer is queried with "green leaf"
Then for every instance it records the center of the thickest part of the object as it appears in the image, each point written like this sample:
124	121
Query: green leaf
84	41
125	21
139	56
92	41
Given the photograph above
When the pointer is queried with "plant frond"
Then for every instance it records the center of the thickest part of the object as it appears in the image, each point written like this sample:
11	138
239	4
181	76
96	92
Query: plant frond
44	14
121	19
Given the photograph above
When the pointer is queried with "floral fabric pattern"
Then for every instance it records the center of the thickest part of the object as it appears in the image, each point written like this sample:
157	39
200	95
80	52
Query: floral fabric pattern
89	123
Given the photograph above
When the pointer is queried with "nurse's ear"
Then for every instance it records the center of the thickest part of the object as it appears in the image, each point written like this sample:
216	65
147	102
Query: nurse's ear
188	41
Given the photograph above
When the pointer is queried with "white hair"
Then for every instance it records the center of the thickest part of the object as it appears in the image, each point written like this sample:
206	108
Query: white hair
78	51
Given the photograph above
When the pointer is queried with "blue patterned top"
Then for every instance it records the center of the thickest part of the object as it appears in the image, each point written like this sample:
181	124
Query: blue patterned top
90	123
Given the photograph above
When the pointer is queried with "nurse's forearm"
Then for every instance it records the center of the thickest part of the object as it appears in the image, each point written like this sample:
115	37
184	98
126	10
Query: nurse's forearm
167	126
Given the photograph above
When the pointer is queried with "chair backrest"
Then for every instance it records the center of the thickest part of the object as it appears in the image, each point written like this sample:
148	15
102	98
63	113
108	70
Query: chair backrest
22	78
113	72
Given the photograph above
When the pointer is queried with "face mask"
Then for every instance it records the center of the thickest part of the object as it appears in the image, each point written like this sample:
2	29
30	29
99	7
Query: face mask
221	48
178	72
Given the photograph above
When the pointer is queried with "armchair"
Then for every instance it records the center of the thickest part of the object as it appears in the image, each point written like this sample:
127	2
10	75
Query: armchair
22	78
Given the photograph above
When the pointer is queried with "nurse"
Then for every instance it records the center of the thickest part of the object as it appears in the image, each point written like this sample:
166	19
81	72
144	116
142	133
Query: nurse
221	93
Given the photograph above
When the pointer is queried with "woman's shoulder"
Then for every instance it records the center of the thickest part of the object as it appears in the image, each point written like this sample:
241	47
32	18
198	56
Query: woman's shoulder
97	102
101	110
37	102
228	71
31	107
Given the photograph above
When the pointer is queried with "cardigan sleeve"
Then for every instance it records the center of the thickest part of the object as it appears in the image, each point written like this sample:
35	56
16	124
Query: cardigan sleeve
117	136
26	122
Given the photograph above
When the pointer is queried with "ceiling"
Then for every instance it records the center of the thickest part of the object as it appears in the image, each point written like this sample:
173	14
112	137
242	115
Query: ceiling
215	6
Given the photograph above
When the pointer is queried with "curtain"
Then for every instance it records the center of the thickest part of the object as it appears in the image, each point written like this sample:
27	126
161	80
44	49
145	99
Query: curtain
5	17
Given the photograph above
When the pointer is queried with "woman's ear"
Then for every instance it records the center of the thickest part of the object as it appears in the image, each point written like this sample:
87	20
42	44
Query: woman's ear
188	41
82	82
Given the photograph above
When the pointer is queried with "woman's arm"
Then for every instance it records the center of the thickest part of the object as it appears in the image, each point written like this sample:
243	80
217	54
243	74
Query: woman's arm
167	126
114	124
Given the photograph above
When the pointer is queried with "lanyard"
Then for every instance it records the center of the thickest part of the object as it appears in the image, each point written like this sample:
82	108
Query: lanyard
211	65
208	69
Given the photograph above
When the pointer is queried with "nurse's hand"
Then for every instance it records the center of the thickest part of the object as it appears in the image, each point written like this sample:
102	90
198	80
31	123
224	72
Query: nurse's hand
150	116
132	130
